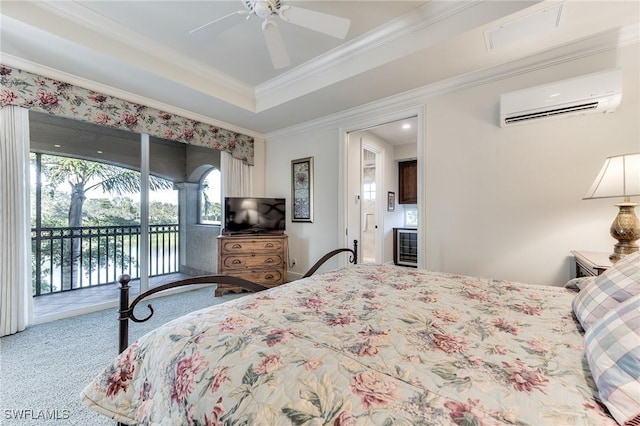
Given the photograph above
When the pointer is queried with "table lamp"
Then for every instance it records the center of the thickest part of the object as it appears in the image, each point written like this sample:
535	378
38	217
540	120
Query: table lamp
620	178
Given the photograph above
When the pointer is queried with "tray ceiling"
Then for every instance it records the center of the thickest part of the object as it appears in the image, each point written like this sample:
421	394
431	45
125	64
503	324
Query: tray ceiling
143	49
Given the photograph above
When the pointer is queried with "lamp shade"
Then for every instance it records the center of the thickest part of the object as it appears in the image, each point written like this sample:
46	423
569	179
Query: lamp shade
619	177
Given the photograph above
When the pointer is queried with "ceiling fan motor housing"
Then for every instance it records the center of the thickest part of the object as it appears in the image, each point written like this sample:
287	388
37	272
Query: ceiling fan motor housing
263	8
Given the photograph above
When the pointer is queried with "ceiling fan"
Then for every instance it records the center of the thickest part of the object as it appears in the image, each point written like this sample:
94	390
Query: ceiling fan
267	10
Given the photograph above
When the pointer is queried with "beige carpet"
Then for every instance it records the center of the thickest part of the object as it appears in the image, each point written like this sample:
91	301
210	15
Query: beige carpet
44	368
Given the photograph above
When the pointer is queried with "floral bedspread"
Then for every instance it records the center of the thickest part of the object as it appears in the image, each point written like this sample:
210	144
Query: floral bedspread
366	345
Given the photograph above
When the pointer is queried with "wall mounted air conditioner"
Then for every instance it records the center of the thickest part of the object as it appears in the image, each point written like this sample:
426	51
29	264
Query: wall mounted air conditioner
592	93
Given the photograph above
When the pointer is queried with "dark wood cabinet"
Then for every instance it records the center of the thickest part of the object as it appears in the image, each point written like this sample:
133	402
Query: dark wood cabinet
408	182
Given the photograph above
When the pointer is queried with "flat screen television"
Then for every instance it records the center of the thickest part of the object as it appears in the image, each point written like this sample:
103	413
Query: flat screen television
254	215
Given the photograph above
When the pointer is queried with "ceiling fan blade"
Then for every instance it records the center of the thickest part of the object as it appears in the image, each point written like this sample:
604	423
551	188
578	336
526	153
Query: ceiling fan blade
277	49
334	26
229	23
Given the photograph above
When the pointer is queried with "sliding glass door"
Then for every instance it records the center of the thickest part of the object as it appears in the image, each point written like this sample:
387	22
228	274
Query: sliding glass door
87	207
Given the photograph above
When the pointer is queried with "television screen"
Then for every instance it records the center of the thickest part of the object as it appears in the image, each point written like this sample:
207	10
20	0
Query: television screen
250	214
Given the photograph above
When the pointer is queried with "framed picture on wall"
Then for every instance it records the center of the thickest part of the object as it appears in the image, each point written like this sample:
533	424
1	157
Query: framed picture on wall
391	201
302	190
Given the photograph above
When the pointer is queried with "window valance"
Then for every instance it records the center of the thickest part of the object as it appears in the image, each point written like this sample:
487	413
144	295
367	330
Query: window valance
31	91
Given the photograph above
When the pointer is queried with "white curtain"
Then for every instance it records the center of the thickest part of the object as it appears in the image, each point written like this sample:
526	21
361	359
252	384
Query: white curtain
16	303
237	177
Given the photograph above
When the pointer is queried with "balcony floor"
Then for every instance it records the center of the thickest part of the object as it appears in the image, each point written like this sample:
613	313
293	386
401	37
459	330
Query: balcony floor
90	299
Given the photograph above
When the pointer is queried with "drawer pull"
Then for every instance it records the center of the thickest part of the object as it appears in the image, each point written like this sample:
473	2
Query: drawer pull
236	262
269	245
268	260
236	246
269	276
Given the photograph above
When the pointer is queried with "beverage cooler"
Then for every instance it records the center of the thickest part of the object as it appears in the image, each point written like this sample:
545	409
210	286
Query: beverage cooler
405	246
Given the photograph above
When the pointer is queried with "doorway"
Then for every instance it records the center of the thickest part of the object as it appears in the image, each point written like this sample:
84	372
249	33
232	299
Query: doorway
370	182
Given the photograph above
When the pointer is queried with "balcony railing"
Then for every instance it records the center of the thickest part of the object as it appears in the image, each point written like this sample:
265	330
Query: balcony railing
65	259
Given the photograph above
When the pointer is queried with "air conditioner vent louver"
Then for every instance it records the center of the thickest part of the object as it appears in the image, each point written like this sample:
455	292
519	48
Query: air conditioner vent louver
600	92
549	113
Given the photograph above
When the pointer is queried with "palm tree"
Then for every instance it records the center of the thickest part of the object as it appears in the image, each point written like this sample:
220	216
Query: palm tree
84	176
212	211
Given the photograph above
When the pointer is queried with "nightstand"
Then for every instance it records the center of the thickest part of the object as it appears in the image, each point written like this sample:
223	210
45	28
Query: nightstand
591	263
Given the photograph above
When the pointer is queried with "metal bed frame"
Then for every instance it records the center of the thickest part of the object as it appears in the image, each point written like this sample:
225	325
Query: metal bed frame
126	311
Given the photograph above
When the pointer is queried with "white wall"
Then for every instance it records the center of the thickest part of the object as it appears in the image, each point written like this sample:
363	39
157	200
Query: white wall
308	242
407	151
259	157
507	203
500	203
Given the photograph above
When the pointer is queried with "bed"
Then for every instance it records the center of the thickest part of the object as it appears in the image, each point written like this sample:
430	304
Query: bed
367	345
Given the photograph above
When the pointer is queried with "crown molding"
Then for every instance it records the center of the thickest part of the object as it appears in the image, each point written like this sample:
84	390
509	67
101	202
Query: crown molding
177	64
34	68
411	32
295	83
392	30
405	101
362	53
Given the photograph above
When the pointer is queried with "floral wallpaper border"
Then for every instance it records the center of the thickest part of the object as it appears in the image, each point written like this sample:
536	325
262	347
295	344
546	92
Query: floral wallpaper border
31	91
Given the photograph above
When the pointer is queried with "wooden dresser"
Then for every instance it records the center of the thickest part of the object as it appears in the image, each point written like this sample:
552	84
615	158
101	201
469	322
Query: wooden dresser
261	259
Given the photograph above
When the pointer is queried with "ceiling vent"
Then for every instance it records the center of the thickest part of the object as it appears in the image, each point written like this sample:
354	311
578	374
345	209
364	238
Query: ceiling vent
599	92
525	28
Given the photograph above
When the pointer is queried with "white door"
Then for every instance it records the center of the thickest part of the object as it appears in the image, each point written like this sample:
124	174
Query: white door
364	201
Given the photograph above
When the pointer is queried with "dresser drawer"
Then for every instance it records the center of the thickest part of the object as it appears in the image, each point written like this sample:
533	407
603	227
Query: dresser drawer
238	261
252	245
269	278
